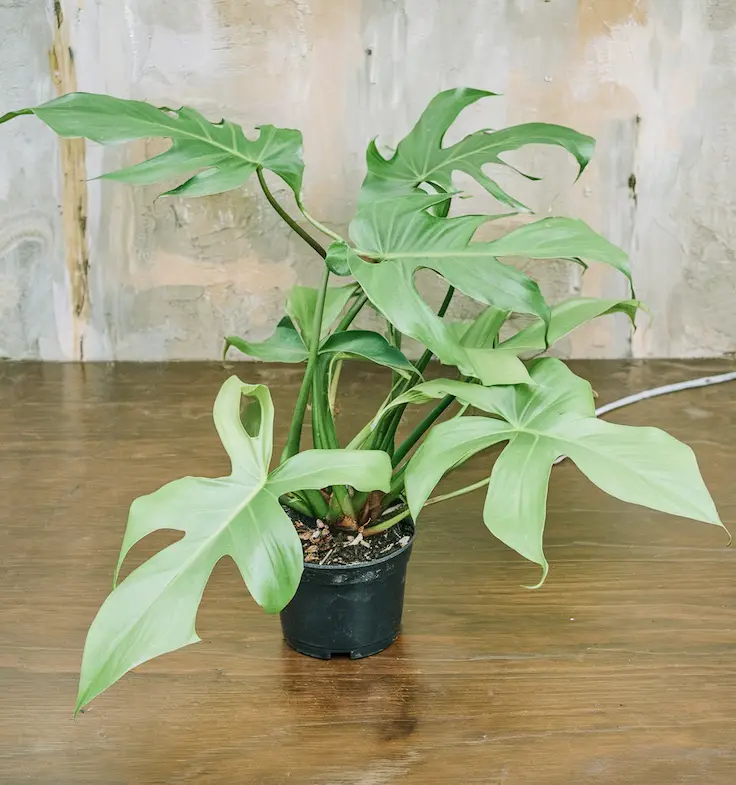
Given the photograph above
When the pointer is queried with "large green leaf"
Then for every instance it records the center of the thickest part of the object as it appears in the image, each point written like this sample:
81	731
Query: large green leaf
301	305
284	346
287	346
221	150
481	332
561	238
401	237
421	158
370	346
566	317
555	417
153	610
394	239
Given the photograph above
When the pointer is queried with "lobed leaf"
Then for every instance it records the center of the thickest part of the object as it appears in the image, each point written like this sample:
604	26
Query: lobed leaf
284	346
566	317
400	237
554	418
370	346
420	157
154	609
221	150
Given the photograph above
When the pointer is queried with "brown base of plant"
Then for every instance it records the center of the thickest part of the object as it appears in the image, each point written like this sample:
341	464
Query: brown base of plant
327	546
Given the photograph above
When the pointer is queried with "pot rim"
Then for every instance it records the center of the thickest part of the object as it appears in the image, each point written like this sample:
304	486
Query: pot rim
366	564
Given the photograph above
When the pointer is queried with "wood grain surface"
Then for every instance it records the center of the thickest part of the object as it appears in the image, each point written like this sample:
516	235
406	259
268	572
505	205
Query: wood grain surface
621	669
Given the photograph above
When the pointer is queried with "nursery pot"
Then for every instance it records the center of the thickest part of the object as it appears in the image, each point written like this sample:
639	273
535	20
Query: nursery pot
353	610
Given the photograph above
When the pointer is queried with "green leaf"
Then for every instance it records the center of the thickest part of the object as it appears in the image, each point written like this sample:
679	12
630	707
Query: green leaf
481	332
154	609
421	158
370	346
566	317
516	502
554	418
301	305
338	258
497	366
561	238
315	469
468	436
401	237
284	346
221	150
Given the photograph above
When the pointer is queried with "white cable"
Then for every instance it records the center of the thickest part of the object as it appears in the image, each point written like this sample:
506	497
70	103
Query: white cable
705	381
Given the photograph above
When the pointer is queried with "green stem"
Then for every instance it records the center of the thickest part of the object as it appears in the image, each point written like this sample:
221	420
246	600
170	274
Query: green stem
459	492
325	436
420	429
385	525
317	225
318	503
297	420
287	218
397	486
352	312
298	505
423	361
388	431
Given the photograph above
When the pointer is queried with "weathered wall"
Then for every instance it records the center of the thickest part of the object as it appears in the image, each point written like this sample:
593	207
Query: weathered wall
116	276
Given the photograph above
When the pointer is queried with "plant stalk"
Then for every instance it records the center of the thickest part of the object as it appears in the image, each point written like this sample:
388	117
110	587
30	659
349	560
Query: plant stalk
325	437
317	225
300	408
298	505
286	218
420	429
352	312
388	431
385	525
423	361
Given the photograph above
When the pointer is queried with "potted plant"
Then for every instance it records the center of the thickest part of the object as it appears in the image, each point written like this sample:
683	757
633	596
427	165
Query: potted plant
323	534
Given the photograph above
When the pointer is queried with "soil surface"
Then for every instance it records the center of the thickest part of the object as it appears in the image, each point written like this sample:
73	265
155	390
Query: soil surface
321	545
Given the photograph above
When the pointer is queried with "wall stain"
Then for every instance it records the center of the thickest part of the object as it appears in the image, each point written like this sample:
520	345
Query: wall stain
72	153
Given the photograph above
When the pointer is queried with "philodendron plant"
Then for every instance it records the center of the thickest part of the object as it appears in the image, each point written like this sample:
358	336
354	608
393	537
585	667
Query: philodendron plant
403	224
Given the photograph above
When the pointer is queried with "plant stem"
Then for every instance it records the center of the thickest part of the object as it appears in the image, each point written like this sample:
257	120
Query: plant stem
352	312
385	525
317	225
423	361
297	420
459	492
300	408
388	431
318	503
420	429
298	505
397	485
287	218
325	437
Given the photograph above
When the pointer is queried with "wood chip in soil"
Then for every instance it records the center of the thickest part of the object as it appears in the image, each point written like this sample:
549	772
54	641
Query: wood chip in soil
321	545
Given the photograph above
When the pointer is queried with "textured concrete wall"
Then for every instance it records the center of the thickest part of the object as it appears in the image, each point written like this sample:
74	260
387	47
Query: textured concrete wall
100	271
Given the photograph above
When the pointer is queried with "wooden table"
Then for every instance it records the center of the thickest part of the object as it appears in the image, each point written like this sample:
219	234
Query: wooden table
621	669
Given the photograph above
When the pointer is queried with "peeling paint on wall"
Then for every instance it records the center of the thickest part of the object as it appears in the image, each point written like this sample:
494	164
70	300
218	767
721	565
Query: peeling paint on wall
133	278
72	153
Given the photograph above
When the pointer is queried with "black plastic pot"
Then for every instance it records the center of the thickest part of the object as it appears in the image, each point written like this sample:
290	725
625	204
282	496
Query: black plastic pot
352	610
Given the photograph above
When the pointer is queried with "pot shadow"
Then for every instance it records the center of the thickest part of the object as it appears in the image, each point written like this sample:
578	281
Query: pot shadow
379	693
